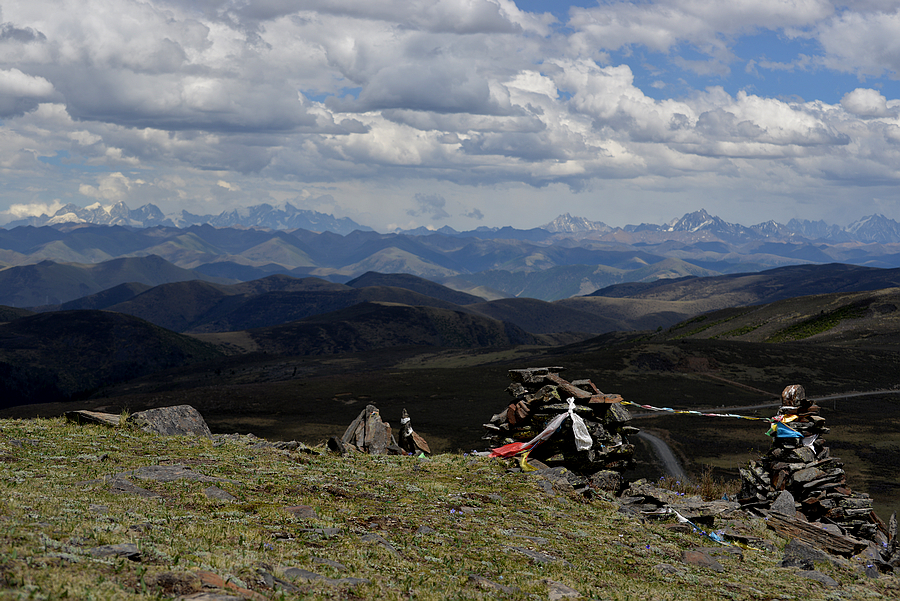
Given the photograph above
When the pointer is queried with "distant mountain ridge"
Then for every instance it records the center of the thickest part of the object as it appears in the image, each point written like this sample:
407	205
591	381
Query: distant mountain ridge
149	215
870	229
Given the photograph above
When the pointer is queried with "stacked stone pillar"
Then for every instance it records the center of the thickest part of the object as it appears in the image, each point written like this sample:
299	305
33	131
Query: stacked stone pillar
803	466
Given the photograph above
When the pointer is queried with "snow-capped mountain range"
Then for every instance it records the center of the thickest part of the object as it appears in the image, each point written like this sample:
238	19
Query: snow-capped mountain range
699	224
149	215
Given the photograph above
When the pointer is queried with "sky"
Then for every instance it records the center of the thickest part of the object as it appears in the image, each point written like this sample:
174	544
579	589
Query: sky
465	113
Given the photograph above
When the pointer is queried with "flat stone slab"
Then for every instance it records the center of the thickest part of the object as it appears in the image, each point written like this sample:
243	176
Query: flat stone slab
93	417
169	473
127	550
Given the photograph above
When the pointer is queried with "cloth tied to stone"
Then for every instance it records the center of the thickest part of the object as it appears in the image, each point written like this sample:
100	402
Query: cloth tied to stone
583	439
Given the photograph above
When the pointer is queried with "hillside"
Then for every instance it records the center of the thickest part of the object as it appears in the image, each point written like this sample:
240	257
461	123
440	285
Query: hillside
56	356
376	325
863	319
416	284
135	516
763	287
52	283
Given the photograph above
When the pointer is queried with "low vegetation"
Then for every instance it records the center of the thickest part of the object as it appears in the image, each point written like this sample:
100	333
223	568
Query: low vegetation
371	527
818	324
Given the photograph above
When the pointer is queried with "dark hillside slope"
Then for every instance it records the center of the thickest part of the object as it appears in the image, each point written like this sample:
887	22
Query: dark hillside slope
182	306
761	287
416	284
105	298
866	319
369	326
49	283
541	317
13	313
56	356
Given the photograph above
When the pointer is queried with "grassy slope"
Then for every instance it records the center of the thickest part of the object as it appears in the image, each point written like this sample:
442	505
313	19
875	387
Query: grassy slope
56	509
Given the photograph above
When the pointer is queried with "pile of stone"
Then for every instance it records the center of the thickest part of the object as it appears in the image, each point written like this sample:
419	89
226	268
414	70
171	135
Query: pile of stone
798	476
368	433
540	394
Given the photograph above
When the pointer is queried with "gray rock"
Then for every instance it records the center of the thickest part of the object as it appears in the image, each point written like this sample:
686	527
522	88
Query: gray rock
214	492
303	511
126	550
607	480
784	504
701	559
93	417
179	420
666	568
800	555
491	586
169	473
121	486
558	590
330	563
377	538
819	577
368	433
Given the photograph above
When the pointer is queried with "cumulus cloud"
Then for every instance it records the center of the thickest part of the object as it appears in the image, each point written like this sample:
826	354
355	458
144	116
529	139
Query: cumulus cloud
20	92
429	205
168	100
865	102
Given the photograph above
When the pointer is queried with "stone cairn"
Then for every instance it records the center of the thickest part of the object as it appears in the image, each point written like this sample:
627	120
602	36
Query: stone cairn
804	468
540	394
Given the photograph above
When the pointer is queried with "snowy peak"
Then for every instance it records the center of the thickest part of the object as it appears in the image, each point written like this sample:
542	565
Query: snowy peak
263	215
575	225
875	228
701	222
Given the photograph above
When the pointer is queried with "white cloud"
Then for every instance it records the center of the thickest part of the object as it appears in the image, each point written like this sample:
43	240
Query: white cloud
865	102
391	107
20	211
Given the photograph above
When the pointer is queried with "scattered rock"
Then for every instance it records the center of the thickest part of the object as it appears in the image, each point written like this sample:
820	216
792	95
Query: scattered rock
558	590
180	420
819	577
784	503
214	581
174	583
303	511
666	568
210	597
122	486
368	433
93	417
701	559
377	538
800	555
125	550
491	586
330	563
214	492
